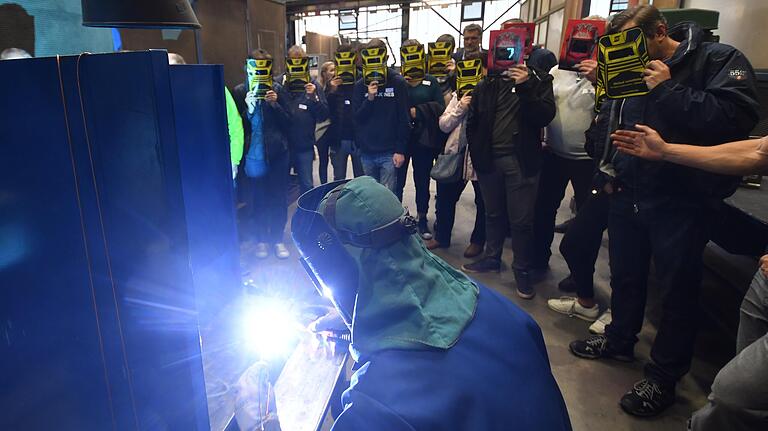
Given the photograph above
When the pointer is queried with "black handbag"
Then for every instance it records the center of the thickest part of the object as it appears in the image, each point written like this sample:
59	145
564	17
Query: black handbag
449	168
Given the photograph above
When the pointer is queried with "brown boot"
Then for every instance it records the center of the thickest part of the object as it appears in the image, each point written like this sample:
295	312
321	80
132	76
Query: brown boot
473	250
432	244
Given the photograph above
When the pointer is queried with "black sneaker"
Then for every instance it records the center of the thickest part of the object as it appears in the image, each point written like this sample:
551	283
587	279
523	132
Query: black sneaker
596	347
424	231
567	284
647	398
486	264
524	285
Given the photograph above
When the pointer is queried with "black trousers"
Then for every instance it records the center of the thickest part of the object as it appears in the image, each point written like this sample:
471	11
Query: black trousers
323	153
448	195
269	211
556	173
423	159
581	243
509	202
674	234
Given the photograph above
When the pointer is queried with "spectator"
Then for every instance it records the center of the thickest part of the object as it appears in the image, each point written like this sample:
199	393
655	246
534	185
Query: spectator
307	109
382	123
322	138
342	130
699	92
448	82
14	53
267	163
738	400
504	134
453	121
234	121
425	142
473	37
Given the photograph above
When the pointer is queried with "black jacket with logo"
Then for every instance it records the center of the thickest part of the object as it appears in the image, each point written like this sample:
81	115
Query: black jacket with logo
537	109
710	99
382	125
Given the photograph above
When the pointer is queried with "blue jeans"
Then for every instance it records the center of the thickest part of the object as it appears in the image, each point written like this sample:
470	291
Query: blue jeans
381	167
302	165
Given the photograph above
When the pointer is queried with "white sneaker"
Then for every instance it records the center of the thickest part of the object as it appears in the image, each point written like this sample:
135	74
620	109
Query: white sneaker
570	306
281	251
262	250
599	326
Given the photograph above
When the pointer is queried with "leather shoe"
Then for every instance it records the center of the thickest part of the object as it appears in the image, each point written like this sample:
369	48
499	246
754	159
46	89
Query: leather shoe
473	250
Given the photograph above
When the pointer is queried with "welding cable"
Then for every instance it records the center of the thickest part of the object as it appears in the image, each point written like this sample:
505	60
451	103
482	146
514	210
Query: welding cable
85	240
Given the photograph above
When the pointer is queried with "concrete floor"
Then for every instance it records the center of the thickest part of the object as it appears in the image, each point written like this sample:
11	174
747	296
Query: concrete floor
591	388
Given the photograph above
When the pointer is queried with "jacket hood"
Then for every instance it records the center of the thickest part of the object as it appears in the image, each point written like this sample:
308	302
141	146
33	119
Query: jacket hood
407	298
690	35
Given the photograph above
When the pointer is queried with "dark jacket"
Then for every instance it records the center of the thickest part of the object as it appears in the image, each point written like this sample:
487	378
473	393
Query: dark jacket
341	114
426	127
537	109
277	121
382	125
710	99
306	111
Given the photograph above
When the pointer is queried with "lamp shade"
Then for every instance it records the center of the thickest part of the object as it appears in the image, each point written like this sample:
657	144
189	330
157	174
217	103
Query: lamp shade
139	14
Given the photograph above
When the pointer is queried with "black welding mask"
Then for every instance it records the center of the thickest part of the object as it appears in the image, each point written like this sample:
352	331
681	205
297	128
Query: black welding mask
323	245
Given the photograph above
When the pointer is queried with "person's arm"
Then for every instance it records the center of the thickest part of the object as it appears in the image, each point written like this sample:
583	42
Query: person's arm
733	158
404	115
727	102
317	103
235	127
363	101
452	116
535	92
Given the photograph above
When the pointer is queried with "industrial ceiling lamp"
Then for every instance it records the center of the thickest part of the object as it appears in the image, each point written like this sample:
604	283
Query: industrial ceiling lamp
139	14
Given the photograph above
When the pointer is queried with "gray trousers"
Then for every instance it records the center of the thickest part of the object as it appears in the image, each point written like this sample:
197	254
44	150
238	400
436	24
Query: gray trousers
739	398
510	200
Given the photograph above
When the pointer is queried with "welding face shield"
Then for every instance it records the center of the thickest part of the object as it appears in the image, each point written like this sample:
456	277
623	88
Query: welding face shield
323	245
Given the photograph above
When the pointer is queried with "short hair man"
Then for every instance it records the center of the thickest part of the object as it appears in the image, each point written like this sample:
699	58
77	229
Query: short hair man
382	123
342	129
473	39
700	92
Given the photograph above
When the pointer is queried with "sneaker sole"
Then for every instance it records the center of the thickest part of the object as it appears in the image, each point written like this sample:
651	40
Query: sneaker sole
620	358
470	271
525	295
577	315
642	415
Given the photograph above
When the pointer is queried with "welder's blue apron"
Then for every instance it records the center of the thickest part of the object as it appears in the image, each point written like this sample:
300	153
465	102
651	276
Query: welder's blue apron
496	378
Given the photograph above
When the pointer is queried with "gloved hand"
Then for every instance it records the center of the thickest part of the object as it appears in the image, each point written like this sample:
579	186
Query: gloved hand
250	101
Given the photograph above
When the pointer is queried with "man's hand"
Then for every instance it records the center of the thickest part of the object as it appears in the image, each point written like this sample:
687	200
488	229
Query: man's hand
655	73
413	112
335	83
398	160
764	265
465	101
588	68
250	101
373	88
646	143
518	73
450	66
271	96
310	88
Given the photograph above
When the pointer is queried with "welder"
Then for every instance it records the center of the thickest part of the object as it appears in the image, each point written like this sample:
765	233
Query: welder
435	349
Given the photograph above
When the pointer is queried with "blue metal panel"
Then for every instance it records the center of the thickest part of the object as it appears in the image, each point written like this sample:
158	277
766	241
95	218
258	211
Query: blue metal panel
52	372
94	270
203	137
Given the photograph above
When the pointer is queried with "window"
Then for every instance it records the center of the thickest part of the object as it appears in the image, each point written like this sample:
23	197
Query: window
618	5
472	11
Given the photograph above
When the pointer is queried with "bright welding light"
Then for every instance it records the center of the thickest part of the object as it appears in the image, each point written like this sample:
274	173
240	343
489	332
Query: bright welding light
270	327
